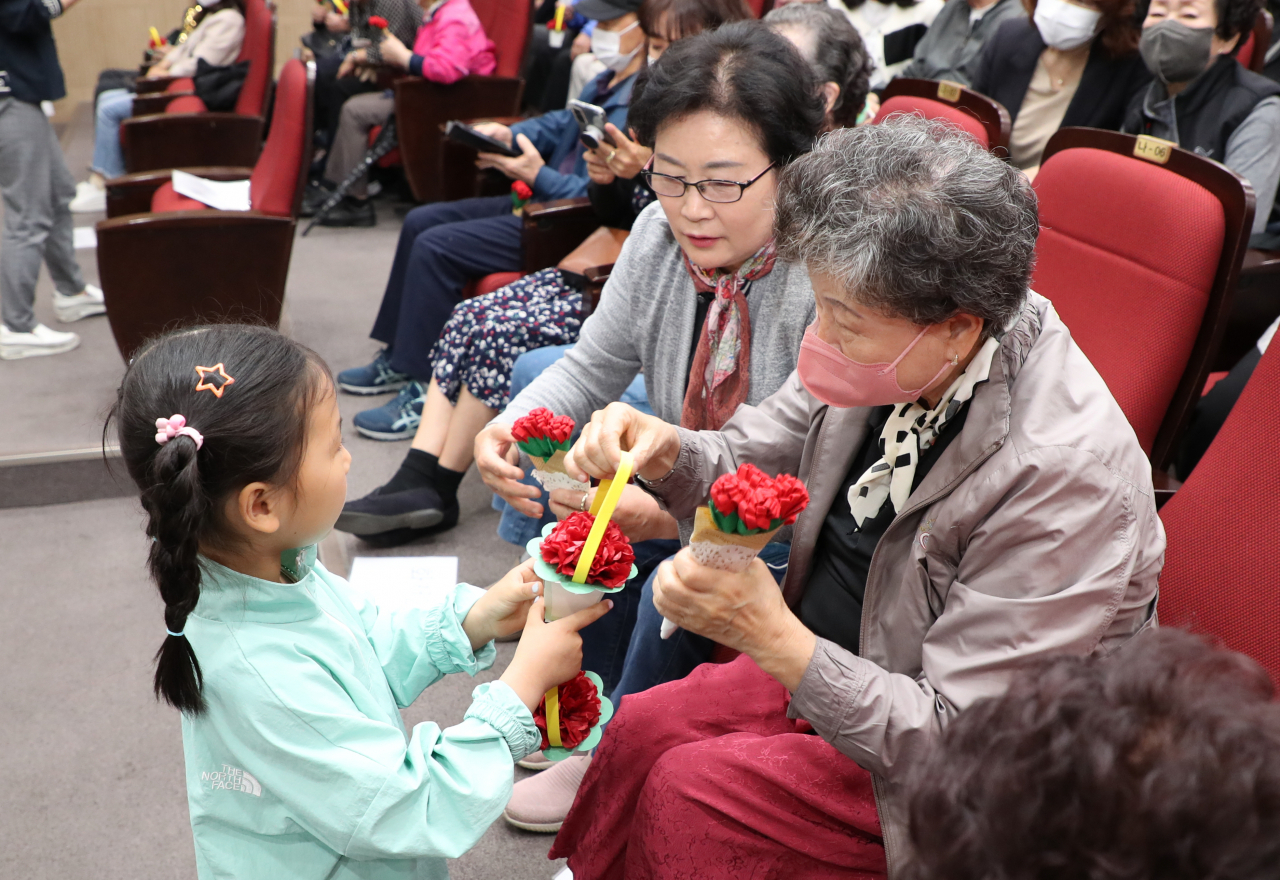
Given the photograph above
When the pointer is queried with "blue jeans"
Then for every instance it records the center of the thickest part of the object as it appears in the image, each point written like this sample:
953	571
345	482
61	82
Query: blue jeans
515	526
114	107
651	660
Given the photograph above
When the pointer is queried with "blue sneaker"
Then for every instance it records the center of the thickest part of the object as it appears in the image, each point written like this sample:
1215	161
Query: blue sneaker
398	418
374	378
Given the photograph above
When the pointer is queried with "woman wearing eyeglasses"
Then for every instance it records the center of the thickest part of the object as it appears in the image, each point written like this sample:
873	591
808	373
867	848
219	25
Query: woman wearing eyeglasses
697	303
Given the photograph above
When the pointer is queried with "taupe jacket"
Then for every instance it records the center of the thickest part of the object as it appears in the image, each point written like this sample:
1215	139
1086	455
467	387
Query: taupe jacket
1035	533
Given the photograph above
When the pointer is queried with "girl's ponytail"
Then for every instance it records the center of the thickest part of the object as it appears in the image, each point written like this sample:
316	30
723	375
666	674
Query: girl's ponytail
201	414
177	506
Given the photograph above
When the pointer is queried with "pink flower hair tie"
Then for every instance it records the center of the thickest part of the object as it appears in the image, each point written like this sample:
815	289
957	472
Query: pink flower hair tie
167	429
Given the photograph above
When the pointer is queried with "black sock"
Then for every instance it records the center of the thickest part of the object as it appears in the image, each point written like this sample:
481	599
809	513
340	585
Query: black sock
446	483
416	471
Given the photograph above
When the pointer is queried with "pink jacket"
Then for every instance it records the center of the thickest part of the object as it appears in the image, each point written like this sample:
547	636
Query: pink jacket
451	44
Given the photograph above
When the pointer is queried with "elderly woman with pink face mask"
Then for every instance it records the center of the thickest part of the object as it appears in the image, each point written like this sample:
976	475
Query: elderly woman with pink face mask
978	501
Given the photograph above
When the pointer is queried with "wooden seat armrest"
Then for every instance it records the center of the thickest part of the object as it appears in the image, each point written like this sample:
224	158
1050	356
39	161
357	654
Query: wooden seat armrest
145	85
508	121
132	193
146	105
182	140
1258	262
1165	486
553	229
596	277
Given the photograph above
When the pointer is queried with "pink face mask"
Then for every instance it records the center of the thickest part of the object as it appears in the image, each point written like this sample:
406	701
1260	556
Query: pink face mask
838	381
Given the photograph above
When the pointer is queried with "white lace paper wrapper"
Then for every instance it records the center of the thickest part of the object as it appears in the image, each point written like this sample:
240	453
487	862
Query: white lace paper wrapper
551	480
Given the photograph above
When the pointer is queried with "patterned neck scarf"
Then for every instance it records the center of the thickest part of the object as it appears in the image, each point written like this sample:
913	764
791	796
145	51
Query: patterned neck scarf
910	430
721	372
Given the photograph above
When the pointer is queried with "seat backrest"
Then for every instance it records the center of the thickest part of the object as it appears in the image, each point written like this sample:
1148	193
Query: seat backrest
984	118
276	185
1139	258
509	23
259	49
1252	53
1220	575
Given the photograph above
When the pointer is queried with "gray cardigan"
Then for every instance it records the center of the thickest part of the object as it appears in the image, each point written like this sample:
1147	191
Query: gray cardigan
952	49
644	324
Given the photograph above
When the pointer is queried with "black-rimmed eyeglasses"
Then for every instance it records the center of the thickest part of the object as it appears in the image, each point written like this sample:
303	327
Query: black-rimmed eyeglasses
720	191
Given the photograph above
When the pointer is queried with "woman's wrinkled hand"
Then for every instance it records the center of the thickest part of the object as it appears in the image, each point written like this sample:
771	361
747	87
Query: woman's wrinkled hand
355	58
498	460
523	167
625	158
653	444
394	52
637	514
741	610
597	168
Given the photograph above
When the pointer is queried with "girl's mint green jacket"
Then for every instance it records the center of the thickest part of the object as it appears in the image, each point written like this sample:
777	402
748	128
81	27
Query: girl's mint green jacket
302	768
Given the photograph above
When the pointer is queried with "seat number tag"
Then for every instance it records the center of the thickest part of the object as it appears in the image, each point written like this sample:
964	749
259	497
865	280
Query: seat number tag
1153	149
949	91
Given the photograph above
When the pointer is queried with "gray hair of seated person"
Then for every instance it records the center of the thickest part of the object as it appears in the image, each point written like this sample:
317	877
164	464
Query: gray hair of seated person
836	53
914	218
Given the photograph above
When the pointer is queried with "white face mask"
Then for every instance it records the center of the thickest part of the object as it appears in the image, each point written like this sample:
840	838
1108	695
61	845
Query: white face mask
1064	25
607	46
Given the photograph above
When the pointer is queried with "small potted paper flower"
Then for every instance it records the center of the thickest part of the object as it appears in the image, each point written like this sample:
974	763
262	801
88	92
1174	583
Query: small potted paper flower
557	555
544	437
521	194
746	510
578	709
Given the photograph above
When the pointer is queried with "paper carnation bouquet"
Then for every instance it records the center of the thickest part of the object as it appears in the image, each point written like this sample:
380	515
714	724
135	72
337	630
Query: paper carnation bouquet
571	715
746	510
544	437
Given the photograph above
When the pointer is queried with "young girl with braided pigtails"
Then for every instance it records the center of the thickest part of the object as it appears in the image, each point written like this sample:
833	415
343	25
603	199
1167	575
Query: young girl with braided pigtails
289	680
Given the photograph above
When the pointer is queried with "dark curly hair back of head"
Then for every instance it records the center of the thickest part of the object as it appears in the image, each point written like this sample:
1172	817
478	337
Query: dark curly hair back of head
1158	762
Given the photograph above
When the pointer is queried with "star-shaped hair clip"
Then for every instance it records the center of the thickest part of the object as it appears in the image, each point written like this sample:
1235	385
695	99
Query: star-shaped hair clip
205	385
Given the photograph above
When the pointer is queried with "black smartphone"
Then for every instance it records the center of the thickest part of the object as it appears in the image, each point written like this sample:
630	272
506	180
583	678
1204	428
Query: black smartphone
481	143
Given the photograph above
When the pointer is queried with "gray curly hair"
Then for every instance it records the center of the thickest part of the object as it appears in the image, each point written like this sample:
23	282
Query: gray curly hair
912	217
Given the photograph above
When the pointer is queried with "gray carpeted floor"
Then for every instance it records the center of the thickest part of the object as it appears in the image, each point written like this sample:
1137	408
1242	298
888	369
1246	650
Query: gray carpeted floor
95	764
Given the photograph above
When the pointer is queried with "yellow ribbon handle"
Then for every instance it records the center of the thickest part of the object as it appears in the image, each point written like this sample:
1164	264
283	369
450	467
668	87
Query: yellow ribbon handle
607	495
553	717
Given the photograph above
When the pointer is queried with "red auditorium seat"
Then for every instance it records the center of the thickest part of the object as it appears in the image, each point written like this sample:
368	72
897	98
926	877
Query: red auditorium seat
985	119
423	107
165	260
171	130
1140	246
1253	51
1220	575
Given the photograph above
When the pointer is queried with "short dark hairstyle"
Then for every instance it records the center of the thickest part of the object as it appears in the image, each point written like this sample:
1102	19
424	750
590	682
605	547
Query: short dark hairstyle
743	71
687	18
1158	762
254	431
1237	17
912	217
840	56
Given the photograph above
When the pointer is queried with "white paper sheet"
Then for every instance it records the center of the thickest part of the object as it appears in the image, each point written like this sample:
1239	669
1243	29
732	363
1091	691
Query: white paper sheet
403	581
224	195
85	237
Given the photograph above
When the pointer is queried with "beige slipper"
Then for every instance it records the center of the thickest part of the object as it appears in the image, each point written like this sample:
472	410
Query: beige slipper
541	802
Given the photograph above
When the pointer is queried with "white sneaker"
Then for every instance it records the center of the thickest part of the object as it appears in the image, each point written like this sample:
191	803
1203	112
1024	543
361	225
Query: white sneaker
89	199
40	341
80	305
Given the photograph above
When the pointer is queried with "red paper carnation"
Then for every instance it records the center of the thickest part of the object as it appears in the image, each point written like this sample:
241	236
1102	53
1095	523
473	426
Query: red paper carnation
542	423
756	501
377	21
579	712
563	547
523	191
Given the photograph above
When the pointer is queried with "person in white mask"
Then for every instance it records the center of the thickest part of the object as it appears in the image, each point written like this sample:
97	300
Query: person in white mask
1072	62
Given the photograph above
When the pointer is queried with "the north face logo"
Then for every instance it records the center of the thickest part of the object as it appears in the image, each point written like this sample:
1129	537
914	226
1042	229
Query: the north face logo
232	779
